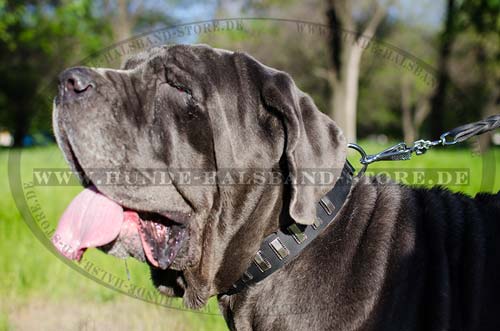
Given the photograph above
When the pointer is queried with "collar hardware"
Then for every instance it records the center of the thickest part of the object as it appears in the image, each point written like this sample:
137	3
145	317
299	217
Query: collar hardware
297	233
327	205
317	223
281	247
261	262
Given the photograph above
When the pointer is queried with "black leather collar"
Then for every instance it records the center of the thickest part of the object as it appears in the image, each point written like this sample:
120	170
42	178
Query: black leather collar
281	247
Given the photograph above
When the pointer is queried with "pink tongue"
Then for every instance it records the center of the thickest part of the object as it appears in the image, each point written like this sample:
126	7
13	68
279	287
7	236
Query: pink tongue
91	220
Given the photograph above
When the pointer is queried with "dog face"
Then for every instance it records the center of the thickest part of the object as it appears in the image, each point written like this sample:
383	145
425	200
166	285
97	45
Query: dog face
187	108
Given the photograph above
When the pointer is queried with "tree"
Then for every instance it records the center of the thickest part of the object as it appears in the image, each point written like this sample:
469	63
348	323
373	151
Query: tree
129	16
346	48
36	38
470	38
447	38
480	21
413	112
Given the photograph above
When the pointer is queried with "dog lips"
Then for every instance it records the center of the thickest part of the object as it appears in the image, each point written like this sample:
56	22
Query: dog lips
90	220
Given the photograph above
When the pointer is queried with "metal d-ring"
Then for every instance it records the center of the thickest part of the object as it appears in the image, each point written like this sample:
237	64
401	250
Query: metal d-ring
444	141
361	151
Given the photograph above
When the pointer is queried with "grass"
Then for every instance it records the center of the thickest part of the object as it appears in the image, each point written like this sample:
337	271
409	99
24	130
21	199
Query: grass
30	273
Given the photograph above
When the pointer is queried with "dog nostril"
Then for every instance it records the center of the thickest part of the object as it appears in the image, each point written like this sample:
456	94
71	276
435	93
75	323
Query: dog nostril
77	86
76	83
70	84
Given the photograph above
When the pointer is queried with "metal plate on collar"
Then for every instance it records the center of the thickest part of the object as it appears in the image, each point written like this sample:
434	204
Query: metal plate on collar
261	262
317	223
246	276
297	233
327	205
279	249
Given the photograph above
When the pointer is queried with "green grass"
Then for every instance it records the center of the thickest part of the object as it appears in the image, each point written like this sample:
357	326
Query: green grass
4	322
29	271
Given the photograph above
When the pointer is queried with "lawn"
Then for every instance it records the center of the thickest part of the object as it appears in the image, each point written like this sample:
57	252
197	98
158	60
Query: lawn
39	291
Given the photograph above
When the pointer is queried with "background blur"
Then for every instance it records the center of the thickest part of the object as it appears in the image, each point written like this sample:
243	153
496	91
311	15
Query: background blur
384	70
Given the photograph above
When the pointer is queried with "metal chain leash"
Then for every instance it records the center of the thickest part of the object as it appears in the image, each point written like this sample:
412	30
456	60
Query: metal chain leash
401	151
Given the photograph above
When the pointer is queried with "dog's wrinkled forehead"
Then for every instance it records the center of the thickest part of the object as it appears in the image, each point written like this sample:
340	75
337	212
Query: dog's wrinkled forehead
194	60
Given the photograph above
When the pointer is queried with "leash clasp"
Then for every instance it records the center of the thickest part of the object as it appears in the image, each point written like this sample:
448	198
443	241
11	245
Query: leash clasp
398	152
361	151
444	141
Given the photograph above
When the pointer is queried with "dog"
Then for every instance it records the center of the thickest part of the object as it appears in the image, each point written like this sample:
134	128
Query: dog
393	258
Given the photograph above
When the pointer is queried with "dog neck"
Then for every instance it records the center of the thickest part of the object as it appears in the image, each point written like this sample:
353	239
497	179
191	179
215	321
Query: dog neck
281	247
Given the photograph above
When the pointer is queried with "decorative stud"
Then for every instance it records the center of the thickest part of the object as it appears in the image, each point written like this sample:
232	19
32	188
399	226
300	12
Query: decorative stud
327	205
246	276
278	248
297	233
261	262
317	223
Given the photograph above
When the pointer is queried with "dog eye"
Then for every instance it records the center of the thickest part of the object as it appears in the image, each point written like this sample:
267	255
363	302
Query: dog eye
190	100
180	88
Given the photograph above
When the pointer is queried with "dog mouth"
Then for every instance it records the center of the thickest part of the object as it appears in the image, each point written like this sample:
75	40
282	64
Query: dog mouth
93	220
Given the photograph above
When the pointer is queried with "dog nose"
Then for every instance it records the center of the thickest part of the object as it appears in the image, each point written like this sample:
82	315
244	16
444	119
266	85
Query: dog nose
75	82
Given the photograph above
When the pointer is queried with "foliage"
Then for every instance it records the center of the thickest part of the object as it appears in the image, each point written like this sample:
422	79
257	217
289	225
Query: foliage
37	38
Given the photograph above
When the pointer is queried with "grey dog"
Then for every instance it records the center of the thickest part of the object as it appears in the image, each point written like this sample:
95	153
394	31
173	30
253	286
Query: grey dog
394	258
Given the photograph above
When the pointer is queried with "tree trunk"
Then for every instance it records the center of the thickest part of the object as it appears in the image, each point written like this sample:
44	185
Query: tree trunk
21	125
409	130
443	78
346	51
124	23
351	93
413	113
491	105
345	96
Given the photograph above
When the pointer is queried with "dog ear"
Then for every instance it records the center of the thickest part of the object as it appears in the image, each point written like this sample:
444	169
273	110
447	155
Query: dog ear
313	142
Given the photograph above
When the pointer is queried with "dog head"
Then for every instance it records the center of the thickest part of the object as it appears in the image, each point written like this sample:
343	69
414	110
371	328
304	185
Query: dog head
134	135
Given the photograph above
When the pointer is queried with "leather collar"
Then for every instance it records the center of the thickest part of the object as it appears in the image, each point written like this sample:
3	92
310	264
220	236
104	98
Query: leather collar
281	247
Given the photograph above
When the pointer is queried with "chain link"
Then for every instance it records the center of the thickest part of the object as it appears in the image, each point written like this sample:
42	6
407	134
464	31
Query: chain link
401	151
